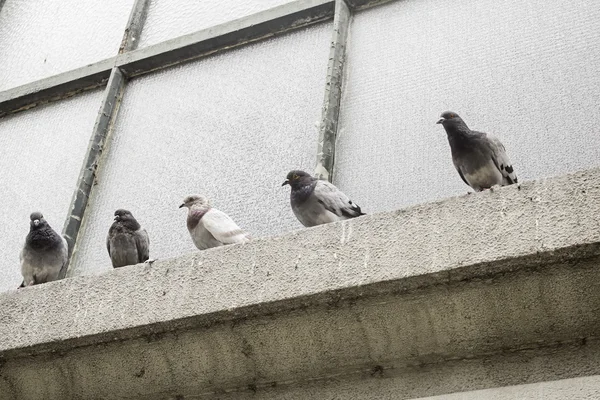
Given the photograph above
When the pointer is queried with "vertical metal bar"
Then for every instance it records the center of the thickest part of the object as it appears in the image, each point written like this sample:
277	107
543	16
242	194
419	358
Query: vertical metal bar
131	37
333	93
87	176
104	122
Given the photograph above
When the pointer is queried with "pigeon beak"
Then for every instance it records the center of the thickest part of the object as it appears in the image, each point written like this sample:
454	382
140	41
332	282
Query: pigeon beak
117	218
440	120
36	222
287	182
183	205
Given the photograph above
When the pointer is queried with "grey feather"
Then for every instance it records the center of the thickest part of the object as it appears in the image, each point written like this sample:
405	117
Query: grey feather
479	158
44	254
210	227
127	242
315	202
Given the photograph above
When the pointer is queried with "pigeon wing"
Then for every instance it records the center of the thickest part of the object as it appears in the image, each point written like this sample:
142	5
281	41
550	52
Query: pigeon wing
65	252
108	243
462	176
142	243
502	161
223	228
335	201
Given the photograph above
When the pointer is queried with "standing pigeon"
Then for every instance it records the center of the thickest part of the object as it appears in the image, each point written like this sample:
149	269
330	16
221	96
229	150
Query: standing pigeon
479	158
210	227
127	242
44	254
317	202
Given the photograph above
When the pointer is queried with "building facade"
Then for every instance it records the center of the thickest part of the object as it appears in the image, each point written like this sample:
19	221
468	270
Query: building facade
136	104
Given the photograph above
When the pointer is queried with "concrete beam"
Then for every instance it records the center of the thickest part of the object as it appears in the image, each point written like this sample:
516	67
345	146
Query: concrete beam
472	278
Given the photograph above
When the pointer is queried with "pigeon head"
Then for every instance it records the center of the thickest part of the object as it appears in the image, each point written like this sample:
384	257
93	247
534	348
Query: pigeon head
37	220
297	178
195	200
452	121
125	218
121	215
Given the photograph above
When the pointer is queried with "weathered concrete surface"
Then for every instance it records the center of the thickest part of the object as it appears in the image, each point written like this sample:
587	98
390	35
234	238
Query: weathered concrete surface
473	277
452	377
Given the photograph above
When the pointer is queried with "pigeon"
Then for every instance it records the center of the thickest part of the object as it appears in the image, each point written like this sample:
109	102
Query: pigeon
479	158
127	242
44	254
210	227
317	202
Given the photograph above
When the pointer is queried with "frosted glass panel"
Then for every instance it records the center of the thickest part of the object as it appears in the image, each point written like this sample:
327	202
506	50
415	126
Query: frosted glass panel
43	38
524	71
168	19
42	152
229	126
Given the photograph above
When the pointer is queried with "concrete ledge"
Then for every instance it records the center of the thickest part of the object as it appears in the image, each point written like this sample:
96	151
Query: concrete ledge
464	278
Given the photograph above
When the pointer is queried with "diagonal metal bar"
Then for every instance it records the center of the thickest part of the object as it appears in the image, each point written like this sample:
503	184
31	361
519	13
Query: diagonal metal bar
137	18
104	122
55	87
87	176
234	33
333	93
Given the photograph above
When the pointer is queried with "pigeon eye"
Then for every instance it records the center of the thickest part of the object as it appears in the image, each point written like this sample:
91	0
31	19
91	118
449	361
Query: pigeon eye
295	177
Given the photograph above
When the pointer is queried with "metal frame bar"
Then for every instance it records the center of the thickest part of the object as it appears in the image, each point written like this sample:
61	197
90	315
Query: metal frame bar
87	176
135	62
333	93
55	87
225	36
135	25
104	122
357	5
231	34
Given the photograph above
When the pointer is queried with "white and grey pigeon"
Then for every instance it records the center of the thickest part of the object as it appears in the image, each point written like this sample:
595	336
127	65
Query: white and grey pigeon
44	254
316	202
127	242
479	158
210	227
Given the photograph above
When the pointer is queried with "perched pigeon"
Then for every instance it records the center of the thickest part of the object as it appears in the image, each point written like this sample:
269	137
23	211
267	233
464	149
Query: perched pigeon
479	158
210	227
317	202
44	254
127	242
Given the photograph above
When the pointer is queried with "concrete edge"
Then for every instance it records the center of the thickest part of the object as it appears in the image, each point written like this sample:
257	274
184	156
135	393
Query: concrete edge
550	221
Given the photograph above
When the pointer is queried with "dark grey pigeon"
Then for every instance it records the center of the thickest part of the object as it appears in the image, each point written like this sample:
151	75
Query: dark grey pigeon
44	254
127	242
479	158
317	202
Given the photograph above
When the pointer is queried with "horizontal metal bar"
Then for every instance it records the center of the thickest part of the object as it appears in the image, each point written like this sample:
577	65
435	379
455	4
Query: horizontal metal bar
333	93
235	33
55	87
87	176
257	26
